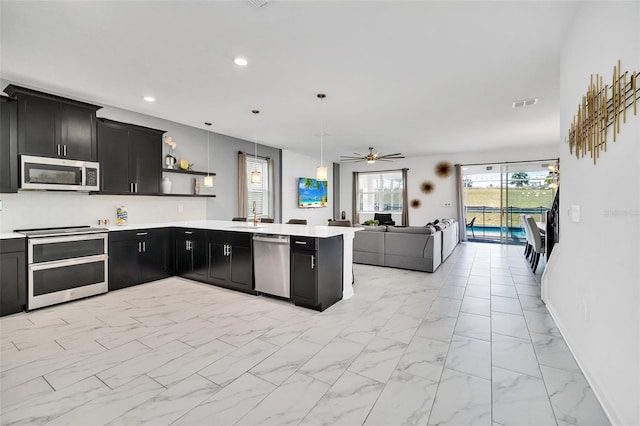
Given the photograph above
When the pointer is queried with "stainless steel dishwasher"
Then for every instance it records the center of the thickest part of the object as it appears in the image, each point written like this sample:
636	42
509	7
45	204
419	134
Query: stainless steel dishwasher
271	264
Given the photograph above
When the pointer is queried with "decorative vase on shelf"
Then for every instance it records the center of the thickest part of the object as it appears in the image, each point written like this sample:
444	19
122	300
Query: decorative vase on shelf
169	161
166	185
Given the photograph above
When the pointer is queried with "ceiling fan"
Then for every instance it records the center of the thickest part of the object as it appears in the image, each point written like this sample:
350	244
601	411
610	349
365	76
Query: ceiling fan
371	157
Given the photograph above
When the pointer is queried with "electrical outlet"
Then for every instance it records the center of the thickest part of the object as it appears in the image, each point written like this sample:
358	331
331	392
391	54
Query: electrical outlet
180	208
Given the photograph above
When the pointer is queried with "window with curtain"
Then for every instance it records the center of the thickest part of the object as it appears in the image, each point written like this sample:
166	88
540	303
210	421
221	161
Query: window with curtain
380	192
259	192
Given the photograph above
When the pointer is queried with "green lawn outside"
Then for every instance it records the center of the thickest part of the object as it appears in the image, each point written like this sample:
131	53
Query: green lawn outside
517	198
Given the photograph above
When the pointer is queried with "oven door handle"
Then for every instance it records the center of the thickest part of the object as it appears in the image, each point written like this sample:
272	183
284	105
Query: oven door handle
67	238
68	262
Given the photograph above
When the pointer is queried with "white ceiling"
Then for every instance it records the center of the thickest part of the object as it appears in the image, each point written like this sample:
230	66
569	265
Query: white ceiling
420	77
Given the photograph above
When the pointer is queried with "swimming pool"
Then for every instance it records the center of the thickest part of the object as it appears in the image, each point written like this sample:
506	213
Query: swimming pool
513	235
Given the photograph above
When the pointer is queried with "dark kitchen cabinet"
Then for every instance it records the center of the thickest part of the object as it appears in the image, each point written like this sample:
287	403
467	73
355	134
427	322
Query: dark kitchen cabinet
130	158
52	126
13	281
191	253
8	145
137	257
230	260
316	271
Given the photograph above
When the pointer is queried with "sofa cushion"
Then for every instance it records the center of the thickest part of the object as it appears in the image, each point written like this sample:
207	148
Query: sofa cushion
373	228
411	230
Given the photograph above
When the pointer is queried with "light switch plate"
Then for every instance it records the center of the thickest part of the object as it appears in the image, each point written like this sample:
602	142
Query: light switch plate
574	213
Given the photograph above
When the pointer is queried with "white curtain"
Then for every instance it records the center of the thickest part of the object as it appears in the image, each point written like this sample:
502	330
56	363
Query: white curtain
462	221
242	184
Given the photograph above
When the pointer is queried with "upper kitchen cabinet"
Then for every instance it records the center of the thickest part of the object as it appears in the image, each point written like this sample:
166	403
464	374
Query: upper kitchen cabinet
52	126
130	158
8	145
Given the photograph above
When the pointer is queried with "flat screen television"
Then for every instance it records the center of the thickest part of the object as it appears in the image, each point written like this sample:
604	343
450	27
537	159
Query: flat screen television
312	193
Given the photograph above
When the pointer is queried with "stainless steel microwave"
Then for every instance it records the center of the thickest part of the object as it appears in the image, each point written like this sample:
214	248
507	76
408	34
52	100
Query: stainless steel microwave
58	174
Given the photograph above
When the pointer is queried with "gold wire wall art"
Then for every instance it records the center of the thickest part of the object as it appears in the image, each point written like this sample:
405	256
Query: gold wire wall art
603	106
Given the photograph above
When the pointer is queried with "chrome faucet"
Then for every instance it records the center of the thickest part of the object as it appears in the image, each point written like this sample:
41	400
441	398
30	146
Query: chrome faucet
256	219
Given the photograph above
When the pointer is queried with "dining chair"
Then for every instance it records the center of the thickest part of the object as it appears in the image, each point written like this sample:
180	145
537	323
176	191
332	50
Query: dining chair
297	222
537	242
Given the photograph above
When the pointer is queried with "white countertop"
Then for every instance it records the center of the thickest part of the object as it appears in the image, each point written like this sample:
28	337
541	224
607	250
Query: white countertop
318	231
8	235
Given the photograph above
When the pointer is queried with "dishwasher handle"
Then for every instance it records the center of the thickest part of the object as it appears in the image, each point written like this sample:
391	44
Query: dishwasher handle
272	240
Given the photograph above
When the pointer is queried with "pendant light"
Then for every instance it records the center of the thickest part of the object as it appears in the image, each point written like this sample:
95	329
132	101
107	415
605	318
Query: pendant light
321	171
208	179
256	176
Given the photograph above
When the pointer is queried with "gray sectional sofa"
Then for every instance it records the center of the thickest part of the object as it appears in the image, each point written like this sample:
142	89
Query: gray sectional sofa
415	248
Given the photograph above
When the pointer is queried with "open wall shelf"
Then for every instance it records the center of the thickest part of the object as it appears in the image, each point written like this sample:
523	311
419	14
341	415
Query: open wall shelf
188	172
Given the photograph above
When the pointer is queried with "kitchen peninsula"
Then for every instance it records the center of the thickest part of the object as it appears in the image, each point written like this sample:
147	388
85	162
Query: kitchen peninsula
221	253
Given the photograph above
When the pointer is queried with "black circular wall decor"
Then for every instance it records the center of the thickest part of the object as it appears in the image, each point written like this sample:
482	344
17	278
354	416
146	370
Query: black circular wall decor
415	203
427	187
443	169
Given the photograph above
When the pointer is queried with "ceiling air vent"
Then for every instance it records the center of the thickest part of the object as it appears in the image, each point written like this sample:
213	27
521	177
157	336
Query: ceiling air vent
257	4
524	103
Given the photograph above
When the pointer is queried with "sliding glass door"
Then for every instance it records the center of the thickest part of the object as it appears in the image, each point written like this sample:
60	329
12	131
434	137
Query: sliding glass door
495	195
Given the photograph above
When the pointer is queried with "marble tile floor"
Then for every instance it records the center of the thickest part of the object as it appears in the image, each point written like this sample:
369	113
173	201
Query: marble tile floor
469	344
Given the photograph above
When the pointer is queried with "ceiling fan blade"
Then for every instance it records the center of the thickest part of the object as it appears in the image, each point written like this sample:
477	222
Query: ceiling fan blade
390	155
346	157
353	160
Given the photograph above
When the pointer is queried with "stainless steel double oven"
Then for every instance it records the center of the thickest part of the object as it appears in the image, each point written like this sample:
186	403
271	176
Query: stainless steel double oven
66	264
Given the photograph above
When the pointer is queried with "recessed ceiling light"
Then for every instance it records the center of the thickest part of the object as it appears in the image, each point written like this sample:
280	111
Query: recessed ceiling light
149	99
241	61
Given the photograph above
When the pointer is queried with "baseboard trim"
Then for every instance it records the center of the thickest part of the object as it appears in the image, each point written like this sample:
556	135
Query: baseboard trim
605	403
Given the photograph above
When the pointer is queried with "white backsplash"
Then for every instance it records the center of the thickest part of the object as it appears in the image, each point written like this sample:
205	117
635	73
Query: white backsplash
40	209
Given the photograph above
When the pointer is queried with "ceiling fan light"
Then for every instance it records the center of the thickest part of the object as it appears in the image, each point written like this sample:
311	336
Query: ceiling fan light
256	177
371	161
321	173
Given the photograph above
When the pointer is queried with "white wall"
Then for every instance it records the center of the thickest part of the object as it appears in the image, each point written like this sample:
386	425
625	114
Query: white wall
295	166
593	290
442	202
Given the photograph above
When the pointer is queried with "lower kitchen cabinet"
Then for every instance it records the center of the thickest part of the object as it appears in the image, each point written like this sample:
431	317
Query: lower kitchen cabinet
316	271
13	282
191	253
137	257
230	260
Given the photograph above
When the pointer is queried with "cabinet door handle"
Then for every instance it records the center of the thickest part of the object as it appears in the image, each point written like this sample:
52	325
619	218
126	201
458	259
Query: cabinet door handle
130	187
304	243
135	185
142	233
58	148
144	246
64	150
139	247
224	250
313	262
188	232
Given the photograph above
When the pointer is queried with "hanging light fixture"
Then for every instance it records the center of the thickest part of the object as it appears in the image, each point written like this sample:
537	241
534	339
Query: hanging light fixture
321	171
256	176
208	179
